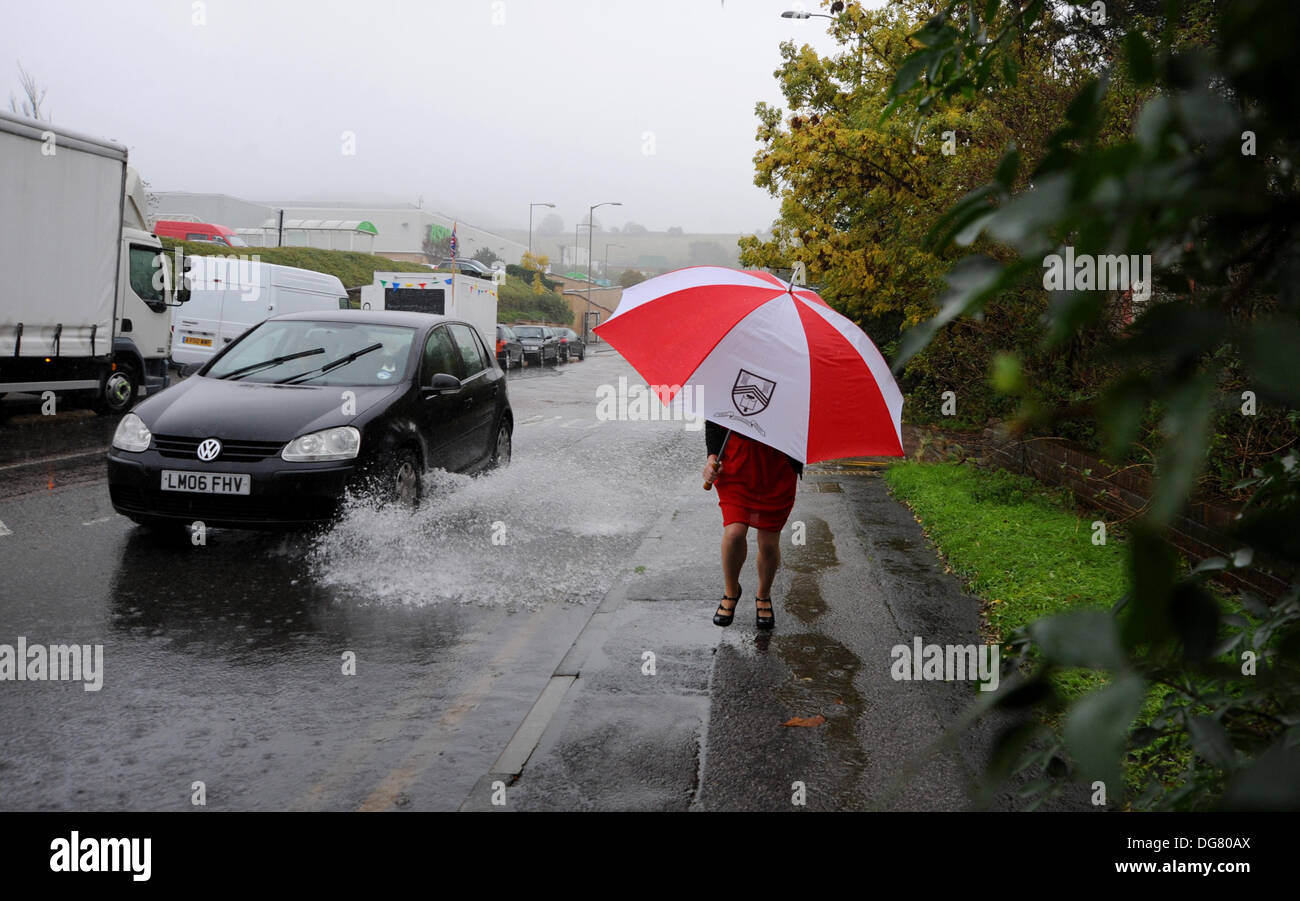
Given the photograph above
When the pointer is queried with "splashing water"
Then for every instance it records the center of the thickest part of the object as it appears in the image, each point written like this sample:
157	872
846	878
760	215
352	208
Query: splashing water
553	527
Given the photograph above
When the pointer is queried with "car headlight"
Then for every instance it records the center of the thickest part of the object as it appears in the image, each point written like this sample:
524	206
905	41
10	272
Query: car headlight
342	443
132	435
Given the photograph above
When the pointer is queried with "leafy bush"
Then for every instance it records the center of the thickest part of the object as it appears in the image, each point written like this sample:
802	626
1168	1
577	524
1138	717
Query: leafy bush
517	301
1187	186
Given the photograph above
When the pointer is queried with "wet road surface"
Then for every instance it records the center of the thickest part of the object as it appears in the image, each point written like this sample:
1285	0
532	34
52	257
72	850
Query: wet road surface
224	664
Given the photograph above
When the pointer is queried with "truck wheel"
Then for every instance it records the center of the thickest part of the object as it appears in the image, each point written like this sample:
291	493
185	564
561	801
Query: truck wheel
118	392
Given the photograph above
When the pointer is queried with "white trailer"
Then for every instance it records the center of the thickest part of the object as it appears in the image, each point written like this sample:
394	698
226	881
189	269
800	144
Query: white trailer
464	297
86	291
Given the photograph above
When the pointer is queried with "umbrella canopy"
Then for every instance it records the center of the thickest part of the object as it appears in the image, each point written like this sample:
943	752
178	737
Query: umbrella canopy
771	361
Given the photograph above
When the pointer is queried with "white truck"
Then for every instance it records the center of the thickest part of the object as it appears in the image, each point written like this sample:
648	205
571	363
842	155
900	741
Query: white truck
464	297
86	292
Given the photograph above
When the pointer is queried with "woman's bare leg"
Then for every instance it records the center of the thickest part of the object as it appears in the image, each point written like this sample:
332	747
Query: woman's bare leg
734	549
769	559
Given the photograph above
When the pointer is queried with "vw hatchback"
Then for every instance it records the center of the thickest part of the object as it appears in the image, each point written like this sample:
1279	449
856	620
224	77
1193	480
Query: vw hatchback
273	430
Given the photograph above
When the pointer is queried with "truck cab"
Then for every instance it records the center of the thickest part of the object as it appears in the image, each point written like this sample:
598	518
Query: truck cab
89	292
143	319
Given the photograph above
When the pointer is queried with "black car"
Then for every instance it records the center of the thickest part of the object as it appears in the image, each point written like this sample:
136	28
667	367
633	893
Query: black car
510	350
275	428
540	341
571	345
466	267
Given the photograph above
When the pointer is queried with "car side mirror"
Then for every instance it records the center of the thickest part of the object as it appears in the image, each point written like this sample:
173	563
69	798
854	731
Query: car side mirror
444	382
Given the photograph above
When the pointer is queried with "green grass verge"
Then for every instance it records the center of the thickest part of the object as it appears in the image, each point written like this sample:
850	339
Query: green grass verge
1015	543
351	268
1017	546
1023	550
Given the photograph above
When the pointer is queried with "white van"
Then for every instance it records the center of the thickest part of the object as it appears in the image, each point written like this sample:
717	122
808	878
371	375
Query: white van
231	295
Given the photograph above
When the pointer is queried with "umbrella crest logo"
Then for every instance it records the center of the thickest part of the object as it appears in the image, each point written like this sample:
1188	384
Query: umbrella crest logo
751	393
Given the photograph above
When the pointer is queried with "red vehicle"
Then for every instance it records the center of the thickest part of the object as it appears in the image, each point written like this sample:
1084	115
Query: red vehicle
198	231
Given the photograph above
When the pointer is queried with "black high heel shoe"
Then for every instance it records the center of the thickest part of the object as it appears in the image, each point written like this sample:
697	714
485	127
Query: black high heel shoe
725	615
764	622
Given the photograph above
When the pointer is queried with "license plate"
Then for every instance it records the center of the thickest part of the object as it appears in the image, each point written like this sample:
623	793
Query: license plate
201	342
206	482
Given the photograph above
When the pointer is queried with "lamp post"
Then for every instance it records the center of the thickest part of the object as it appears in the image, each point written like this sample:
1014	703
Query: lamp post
607	247
591	227
530	223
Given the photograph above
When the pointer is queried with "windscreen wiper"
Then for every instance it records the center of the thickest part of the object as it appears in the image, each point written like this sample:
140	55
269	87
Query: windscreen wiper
332	364
267	364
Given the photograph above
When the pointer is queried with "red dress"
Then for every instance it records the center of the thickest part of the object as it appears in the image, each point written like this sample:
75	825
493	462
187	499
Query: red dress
756	485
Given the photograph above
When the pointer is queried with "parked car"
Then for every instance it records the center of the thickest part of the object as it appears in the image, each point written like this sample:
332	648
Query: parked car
205	232
571	345
466	267
510	350
276	428
539	341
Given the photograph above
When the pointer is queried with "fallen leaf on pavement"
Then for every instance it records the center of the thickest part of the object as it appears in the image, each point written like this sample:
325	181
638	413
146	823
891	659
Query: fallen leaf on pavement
805	721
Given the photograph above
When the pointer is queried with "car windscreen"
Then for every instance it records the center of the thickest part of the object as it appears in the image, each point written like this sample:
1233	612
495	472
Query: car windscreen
528	331
319	344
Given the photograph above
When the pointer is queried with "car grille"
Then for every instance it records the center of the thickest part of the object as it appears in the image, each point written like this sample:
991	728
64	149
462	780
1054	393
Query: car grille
181	448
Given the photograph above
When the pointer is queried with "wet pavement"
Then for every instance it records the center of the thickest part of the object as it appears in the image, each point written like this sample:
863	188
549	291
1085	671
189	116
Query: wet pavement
705	730
572	665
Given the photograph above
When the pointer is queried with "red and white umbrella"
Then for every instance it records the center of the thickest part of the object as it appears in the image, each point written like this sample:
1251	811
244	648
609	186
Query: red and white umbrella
770	360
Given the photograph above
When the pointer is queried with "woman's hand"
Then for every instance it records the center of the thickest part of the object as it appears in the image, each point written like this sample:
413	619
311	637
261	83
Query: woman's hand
712	470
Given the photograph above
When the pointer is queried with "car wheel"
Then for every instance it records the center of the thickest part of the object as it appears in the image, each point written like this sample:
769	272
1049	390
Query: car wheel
501	450
118	392
399	481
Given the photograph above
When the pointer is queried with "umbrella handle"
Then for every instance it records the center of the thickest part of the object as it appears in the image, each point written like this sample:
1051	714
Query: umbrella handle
708	486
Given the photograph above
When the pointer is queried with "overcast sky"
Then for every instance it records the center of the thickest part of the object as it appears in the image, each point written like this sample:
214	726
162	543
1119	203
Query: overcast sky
479	106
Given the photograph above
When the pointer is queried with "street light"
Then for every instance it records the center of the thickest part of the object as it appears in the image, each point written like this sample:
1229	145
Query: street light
530	223
607	247
591	227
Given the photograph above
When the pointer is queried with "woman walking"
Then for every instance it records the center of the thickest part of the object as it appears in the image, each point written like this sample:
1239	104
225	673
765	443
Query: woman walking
756	487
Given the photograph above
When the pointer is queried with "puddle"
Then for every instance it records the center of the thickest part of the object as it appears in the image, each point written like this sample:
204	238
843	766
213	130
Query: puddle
816	553
821	682
804	599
